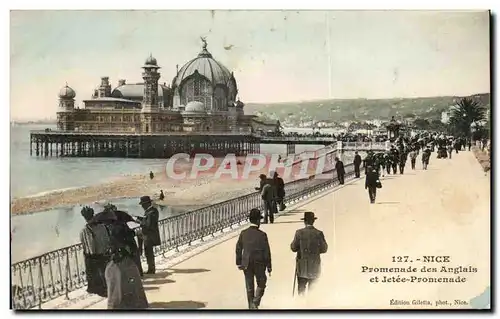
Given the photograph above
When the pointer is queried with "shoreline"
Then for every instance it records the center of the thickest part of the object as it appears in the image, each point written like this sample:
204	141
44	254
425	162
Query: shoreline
205	190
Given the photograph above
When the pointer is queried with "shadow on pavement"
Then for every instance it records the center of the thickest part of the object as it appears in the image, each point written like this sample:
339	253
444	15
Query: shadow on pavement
291	222
189	304
188	271
150	288
158	282
162	274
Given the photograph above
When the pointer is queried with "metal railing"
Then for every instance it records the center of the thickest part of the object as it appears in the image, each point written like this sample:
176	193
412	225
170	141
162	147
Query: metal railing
363	145
296	138
59	272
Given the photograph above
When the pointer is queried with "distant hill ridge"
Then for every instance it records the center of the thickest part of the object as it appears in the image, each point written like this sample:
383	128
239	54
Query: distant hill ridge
339	110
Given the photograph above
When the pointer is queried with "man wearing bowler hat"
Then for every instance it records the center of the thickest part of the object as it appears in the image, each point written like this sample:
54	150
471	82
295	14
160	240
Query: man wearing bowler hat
308	243
253	256
150	231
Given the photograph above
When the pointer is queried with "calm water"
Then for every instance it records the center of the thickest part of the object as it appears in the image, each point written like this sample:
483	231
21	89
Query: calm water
37	233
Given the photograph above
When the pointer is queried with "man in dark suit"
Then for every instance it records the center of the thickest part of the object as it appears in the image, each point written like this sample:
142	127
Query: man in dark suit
308	243
357	163
280	190
253	256
150	231
372	178
339	167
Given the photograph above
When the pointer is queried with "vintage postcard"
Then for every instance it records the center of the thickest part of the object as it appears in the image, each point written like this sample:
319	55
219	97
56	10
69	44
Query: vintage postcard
246	160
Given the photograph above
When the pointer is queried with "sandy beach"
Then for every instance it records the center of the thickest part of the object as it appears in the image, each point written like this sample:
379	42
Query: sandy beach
205	190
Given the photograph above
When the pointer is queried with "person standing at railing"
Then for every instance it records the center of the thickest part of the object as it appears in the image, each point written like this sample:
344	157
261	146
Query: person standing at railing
253	256
280	191
96	242
150	231
339	167
269	195
357	163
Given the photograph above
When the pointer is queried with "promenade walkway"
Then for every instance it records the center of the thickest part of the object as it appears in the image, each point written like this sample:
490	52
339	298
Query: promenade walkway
442	211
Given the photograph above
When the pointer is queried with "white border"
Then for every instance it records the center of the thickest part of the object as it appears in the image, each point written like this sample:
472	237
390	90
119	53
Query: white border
214	4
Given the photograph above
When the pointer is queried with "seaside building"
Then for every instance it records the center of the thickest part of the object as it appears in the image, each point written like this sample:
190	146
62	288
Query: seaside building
202	98
199	112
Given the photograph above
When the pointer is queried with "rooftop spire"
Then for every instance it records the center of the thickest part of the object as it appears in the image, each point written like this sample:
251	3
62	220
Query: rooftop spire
204	52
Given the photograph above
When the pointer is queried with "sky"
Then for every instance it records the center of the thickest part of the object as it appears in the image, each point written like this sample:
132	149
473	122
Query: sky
276	56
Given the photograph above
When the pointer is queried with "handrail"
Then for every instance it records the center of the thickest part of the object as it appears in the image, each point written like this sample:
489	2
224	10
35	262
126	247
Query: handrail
59	272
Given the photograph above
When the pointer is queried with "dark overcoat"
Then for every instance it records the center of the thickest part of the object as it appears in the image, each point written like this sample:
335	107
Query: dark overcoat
253	248
371	179
309	243
125	289
149	226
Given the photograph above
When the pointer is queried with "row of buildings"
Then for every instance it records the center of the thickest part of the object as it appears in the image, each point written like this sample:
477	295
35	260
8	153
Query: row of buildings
202	97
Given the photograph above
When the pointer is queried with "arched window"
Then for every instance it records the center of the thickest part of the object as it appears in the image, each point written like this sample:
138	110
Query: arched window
198	89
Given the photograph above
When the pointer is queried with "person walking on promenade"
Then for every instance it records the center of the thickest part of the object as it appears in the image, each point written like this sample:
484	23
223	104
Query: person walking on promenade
253	256
357	164
371	183
151	175
403	157
388	162
96	242
150	231
339	167
309	243
426	154
368	161
125	289
280	191
162	196
450	150
394	160
413	158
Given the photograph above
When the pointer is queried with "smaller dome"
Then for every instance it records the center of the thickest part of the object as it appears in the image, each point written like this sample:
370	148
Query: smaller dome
151	61
195	107
67	93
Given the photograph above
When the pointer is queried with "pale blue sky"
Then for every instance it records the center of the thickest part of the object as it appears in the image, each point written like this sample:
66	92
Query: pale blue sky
276	55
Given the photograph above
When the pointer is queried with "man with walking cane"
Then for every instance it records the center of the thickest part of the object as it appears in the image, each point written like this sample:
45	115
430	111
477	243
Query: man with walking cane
308	243
253	256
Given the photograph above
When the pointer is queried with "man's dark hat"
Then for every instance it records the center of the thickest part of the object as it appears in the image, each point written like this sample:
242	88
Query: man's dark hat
145	200
87	212
262	176
255	214
309	216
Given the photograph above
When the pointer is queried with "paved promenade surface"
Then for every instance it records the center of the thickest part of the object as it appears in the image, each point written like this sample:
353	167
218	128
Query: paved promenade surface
442	211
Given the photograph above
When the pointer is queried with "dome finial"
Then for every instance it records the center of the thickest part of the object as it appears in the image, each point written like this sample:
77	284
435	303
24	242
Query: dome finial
204	40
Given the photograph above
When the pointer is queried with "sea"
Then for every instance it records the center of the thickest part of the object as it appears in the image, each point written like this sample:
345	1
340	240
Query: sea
43	231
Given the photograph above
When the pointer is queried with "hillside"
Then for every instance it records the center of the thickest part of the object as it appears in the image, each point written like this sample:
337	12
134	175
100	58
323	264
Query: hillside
358	109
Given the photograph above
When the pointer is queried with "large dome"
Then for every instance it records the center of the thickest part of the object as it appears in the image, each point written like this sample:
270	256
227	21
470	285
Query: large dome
206	66
67	93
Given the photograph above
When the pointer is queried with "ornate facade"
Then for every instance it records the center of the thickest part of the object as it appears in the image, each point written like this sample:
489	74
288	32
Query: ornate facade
202	98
